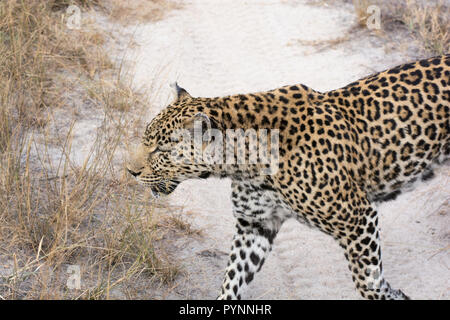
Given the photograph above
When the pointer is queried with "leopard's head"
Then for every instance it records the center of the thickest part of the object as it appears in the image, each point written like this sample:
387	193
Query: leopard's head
167	154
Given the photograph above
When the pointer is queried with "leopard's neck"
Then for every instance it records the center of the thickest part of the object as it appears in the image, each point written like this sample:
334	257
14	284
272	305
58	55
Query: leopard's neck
262	110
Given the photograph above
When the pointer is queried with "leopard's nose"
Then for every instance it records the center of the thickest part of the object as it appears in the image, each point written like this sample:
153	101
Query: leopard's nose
134	174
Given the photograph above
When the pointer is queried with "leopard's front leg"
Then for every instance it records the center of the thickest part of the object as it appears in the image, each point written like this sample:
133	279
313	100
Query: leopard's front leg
258	222
248	252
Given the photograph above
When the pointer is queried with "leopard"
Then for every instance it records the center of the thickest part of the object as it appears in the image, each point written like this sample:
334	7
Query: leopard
339	154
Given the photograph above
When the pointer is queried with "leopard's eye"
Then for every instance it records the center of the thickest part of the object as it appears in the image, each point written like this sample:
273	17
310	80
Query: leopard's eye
156	150
153	152
160	149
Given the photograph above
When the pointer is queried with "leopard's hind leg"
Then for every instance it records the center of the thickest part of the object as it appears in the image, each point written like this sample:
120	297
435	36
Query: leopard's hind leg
363	252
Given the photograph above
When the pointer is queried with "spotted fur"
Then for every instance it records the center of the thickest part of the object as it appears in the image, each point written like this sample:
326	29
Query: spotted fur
340	152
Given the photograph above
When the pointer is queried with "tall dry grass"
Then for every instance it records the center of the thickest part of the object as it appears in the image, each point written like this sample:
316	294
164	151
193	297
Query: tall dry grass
55	212
426	22
430	25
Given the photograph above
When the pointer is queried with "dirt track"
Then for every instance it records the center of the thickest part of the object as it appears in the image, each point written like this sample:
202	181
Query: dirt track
216	48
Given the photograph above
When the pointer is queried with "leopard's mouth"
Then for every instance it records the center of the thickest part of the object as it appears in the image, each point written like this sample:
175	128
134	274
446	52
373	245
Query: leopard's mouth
164	188
159	188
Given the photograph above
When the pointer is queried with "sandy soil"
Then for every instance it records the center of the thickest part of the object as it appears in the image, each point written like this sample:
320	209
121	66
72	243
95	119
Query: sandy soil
215	48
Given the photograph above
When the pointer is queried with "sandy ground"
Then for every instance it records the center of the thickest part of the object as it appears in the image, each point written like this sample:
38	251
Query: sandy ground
215	48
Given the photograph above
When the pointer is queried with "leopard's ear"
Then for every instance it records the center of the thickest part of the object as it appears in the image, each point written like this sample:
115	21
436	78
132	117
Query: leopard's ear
180	93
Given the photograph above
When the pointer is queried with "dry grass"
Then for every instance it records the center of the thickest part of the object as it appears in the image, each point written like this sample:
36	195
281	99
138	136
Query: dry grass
425	22
139	11
55	211
430	25
417	26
